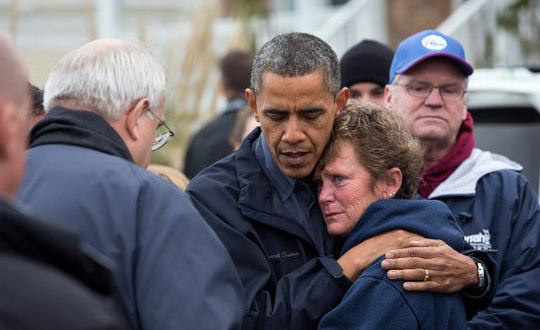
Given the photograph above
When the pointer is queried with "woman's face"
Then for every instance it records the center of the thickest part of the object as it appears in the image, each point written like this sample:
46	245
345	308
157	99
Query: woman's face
345	191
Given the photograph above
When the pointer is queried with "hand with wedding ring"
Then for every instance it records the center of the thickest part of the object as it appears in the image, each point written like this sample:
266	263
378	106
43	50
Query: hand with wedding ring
431	265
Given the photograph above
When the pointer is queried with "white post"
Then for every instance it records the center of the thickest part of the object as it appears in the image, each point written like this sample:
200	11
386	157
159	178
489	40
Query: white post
107	17
304	11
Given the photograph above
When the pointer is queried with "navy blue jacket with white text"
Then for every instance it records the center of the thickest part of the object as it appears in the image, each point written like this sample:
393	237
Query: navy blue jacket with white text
498	210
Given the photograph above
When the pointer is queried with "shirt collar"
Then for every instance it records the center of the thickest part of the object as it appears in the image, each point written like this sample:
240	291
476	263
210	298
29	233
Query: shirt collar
283	184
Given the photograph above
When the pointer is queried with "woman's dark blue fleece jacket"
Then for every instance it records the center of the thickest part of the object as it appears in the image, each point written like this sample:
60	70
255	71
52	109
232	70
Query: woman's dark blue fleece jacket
374	301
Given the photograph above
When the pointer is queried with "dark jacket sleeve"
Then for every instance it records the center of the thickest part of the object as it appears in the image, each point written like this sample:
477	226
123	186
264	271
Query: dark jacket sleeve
478	299
517	302
475	299
295	301
34	295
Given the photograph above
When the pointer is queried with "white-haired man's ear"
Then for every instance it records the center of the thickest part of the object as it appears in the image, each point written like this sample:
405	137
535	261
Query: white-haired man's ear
133	116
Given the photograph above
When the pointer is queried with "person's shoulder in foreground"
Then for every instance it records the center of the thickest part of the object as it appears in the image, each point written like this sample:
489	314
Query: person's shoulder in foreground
43	263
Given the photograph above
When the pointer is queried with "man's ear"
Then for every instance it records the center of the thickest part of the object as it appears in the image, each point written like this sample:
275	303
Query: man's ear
464	114
133	115
10	124
252	103
387	96
341	99
392	181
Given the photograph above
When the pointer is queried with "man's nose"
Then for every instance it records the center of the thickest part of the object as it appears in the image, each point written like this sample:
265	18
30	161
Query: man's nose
434	98
294	131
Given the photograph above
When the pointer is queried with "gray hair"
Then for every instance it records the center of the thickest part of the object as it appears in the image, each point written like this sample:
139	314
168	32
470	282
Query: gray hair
107	76
296	54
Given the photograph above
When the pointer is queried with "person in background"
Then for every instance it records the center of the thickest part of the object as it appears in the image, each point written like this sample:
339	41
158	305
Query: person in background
364	70
211	143
245	123
86	167
171	174
366	177
50	278
37	112
494	204
261	202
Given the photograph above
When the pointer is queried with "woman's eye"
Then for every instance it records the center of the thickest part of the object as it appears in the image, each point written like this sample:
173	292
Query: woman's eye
338	178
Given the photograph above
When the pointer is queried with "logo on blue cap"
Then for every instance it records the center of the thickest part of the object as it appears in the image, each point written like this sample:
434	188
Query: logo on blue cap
434	42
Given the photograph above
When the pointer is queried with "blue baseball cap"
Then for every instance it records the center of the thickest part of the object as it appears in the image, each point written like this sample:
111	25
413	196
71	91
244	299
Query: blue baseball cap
427	44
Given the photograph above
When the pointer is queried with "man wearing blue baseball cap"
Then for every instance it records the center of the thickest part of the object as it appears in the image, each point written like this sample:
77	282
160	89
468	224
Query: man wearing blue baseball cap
494	204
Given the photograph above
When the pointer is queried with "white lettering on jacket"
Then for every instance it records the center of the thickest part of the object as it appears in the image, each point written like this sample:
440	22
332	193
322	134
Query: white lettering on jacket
480	241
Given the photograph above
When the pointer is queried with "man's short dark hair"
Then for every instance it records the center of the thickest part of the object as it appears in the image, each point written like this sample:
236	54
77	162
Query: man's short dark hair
235	69
296	54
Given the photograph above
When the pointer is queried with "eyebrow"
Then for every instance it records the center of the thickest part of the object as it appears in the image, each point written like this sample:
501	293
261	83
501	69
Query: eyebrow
303	111
311	110
427	82
273	110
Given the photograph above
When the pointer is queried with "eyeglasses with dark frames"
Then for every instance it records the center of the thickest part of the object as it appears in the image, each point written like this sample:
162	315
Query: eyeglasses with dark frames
421	89
163	138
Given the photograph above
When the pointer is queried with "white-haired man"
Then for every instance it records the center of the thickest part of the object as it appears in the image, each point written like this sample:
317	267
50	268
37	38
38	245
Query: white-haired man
105	103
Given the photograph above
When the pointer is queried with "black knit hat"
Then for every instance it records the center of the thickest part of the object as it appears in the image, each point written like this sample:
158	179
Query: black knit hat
368	61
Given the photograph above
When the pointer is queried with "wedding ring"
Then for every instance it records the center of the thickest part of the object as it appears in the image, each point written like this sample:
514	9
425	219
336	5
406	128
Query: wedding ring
427	275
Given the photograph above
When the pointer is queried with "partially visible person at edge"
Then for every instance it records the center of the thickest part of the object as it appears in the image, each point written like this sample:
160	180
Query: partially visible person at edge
245	123
37	112
261	203
211	143
370	168
86	167
494	204
49	277
170	173
364	70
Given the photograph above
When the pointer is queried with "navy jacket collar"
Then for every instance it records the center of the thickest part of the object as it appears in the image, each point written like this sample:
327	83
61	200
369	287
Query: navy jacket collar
255	188
78	128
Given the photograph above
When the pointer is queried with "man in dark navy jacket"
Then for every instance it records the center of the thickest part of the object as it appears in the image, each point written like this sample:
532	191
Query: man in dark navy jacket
105	103
262	204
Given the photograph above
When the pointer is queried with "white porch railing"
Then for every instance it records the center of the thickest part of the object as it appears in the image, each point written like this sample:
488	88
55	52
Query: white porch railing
353	22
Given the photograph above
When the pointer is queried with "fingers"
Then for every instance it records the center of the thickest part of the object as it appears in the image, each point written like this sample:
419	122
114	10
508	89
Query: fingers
412	252
422	286
415	280
426	242
411	274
